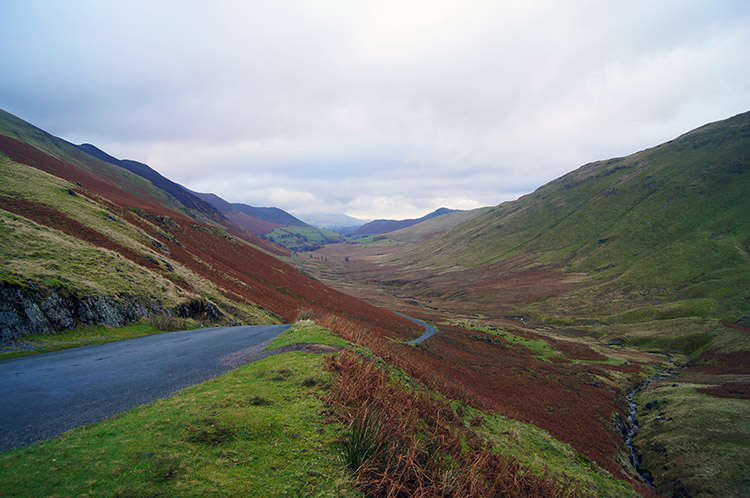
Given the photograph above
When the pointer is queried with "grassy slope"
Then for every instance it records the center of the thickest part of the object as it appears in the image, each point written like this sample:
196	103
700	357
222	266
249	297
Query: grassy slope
35	254
301	238
698	445
18	129
666	224
434	226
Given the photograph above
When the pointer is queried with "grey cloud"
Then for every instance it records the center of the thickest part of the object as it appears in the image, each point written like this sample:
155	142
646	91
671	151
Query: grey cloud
401	104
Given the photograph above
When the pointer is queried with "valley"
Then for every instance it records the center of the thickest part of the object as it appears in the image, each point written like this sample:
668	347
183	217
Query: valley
549	310
618	269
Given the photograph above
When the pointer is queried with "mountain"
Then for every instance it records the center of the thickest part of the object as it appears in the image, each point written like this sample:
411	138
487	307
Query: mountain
199	208
378	227
242	218
271	215
257	221
657	234
86	240
434	225
339	223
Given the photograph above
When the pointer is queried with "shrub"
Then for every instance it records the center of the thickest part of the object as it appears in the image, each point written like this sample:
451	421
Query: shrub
365	442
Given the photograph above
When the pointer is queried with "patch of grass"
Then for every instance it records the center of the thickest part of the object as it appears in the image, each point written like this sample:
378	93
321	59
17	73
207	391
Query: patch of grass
303	238
208	440
166	322
542	453
539	348
688	344
307	332
666	311
698	445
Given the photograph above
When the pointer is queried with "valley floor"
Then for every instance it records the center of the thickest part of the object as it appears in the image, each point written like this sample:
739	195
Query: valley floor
571	378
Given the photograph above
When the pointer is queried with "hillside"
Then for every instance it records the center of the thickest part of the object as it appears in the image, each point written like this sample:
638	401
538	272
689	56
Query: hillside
646	252
383	226
85	241
663	231
197	207
256	220
433	226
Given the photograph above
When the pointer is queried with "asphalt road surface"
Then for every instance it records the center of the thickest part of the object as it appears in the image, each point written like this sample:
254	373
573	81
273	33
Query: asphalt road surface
44	395
429	330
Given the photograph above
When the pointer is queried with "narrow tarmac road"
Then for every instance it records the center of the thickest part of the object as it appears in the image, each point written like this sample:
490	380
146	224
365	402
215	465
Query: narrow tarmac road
429	330
45	395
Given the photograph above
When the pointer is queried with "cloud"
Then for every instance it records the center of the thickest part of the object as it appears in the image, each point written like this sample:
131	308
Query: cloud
375	108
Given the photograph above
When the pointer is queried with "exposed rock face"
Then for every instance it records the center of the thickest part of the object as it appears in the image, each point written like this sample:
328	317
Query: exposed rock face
27	310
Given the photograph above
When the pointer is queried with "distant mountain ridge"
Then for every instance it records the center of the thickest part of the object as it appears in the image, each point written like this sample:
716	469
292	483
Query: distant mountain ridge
339	223
273	215
255	220
259	221
179	192
378	227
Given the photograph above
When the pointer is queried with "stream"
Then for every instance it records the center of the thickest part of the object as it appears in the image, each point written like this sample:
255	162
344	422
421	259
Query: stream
635	458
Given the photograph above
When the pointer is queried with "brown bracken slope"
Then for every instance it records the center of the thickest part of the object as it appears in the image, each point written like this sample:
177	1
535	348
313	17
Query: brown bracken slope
241	271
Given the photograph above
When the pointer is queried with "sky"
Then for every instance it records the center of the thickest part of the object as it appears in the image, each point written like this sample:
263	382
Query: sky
374	109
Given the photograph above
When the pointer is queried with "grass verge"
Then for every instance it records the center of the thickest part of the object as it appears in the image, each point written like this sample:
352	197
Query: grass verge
257	431
307	332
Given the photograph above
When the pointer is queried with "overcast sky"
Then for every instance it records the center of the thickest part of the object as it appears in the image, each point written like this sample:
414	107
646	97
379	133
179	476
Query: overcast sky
376	109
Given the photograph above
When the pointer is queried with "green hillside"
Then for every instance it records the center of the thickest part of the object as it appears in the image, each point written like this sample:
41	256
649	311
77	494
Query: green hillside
303	238
671	223
434	226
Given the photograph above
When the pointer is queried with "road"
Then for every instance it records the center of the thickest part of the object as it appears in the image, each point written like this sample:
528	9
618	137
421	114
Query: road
429	330
44	395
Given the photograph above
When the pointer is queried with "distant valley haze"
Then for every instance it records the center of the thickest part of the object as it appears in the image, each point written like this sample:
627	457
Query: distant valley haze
373	110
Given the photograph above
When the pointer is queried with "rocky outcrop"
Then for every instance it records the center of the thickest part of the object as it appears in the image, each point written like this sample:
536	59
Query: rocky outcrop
27	309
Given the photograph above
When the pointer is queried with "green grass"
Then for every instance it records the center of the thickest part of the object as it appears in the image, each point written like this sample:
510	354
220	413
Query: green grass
376	241
698	443
540	452
307	332
303	238
256	431
666	311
